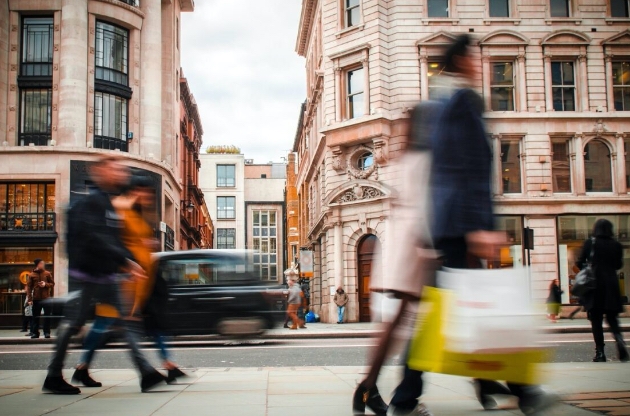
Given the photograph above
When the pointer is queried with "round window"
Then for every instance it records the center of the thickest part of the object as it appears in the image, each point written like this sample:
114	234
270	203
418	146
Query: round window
365	161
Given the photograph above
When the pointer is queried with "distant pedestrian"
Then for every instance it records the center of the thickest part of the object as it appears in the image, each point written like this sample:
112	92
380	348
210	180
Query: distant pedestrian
605	299
27	320
294	301
40	285
554	300
340	299
96	257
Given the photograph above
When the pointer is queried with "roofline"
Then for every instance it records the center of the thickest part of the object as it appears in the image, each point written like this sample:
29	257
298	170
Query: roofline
300	127
304	28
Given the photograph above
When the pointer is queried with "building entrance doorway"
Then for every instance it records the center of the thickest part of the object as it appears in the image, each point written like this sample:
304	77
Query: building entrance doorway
367	250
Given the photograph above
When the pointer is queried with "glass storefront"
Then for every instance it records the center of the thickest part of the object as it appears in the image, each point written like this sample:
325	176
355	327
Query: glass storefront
15	265
573	230
511	255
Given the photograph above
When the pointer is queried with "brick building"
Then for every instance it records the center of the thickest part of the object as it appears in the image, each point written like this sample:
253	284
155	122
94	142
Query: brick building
555	77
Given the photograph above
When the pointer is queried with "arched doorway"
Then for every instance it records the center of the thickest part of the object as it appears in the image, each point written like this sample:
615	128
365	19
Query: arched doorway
366	252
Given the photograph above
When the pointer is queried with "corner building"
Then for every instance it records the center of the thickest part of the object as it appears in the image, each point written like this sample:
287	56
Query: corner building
555	78
79	79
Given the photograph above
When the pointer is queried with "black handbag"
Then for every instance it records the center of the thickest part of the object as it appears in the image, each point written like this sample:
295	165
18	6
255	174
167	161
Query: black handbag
585	280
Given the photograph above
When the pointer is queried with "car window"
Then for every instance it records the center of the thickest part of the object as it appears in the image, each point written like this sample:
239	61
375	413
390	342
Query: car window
206	271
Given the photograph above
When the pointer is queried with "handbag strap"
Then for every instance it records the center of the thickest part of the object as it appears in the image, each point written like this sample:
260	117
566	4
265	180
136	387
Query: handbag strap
592	253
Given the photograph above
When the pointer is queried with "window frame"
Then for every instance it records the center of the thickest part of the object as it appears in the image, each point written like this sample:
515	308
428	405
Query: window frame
573	87
38	138
609	147
520	157
623	87
100	71
227	178
494	86
510	8
225	208
348	60
106	141
570	165
44	67
346	9
569	9
348	94
227	232
610	10
266	241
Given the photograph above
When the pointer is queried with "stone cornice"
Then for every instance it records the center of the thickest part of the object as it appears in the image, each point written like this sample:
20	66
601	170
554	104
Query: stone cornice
126	6
305	27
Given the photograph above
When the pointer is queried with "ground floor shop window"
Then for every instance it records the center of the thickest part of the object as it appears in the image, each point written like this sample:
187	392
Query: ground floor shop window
511	254
573	230
15	265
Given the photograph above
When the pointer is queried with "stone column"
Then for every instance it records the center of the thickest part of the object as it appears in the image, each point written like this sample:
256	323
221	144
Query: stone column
73	75
487	79
620	165
151	80
610	96
522	85
583	84
424	77
548	91
577	166
341	100
4	73
338	246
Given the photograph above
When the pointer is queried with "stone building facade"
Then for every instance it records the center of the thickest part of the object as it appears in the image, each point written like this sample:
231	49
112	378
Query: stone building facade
79	79
555	78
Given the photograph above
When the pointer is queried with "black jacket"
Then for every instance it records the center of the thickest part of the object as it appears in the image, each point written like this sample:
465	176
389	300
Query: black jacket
607	259
93	236
555	294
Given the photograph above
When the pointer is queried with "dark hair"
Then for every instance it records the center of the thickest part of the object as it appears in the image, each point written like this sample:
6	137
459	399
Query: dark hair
553	283
603	228
457	49
37	261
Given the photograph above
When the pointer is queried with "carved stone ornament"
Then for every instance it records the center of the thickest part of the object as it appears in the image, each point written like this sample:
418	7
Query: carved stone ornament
359	193
13	47
600	127
353	169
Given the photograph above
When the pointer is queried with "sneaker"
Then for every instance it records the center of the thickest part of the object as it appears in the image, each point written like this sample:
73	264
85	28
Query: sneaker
57	385
82	376
419	410
46	335
34	336
151	380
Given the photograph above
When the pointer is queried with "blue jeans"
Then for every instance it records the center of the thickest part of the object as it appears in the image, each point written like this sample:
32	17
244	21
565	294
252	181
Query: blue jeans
340	311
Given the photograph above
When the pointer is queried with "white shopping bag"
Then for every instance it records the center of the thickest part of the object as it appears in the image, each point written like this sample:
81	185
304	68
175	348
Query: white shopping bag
491	311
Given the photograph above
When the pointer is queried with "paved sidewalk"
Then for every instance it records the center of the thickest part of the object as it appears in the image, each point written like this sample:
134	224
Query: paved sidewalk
324	330
303	391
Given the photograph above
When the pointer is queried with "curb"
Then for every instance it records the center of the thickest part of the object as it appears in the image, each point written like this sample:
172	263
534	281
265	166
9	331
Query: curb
184	339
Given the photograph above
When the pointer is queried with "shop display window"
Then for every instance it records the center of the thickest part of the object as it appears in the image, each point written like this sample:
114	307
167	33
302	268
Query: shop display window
15	265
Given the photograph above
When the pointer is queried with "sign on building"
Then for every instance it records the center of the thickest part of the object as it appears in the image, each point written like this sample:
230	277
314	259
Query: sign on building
306	263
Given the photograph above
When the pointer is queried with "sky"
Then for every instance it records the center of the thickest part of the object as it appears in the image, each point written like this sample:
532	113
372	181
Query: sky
240	62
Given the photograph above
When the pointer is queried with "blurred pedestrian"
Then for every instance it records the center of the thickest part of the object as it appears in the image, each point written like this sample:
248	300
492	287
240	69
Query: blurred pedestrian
462	226
554	300
605	299
27	319
340	299
294	301
144	300
96	256
40	284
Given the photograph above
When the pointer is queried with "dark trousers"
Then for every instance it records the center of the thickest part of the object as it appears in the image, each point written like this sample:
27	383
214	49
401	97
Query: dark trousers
37	312
77	314
597	320
455	252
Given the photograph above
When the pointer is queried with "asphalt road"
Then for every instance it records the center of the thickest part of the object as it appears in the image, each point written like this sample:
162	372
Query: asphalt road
267	353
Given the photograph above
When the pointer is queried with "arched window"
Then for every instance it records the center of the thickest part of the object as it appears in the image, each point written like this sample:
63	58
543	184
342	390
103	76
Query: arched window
366	161
597	167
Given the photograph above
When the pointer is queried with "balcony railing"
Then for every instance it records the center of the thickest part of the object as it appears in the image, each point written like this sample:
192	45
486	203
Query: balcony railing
27	221
169	239
37	139
110	143
36	69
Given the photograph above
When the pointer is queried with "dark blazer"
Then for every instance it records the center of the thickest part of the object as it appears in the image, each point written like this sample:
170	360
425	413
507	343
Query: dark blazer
607	259
94	239
555	294
461	169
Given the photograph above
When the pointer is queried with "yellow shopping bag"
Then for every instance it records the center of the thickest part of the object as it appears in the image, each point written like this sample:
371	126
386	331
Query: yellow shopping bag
430	350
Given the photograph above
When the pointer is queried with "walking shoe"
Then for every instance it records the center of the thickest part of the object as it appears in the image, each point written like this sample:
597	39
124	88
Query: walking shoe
368	397
34	336
286	326
621	349
151	380
46	335
419	410
600	356
537	403
57	385
82	376
173	374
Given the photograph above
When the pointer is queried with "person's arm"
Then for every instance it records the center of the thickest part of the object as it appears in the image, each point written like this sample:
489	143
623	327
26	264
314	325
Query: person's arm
618	256
50	282
345	300
584	255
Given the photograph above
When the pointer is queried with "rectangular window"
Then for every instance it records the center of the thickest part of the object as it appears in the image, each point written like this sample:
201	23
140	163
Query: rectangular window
619	8
437	8
355	93
37	46
560	8
627	155
352	12
621	85
265	243
502	87
560	167
110	122
27	206
563	86
226	238
434	69
499	8
511	254
226	176
111	52
226	207
511	167
35	117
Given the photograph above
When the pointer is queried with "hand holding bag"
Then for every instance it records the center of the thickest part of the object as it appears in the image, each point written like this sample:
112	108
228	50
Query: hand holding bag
585	280
28	310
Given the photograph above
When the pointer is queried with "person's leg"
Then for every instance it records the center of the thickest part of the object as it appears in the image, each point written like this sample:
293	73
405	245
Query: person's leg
292	311
47	315
94	339
597	318
613	323
408	391
76	314
37	311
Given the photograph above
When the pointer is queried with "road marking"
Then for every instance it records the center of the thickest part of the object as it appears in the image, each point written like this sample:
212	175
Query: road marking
255	347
